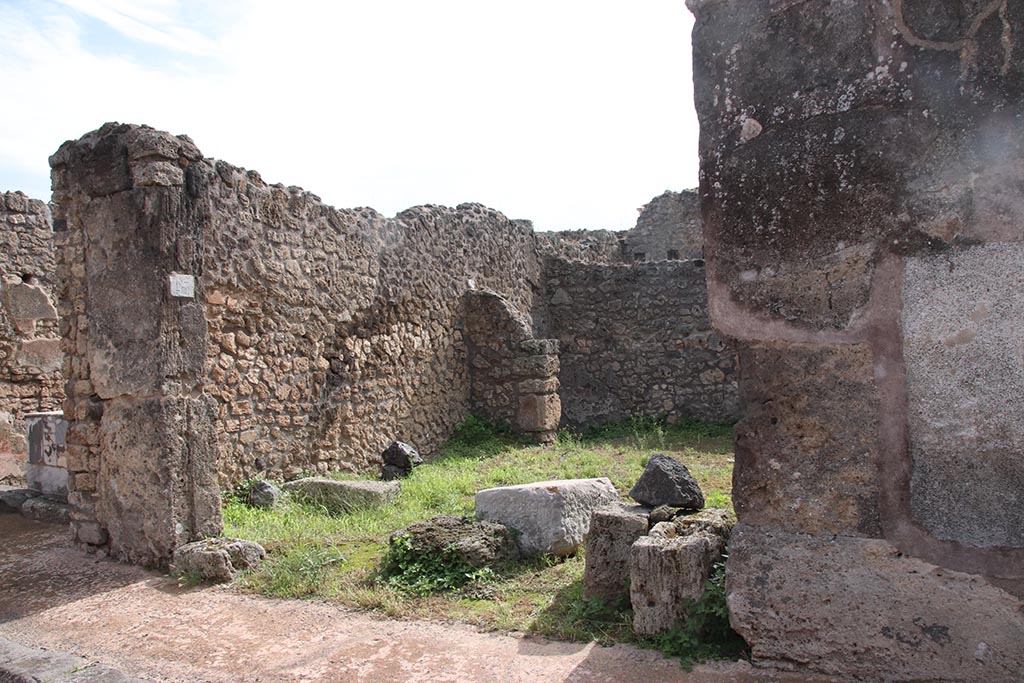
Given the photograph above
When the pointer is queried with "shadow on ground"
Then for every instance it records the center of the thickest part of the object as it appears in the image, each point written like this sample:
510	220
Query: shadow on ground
41	569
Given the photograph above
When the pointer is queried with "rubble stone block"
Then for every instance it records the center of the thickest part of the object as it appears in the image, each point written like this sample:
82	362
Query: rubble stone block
666	481
43	509
613	529
478	544
340	496
217	559
264	494
665	572
812	600
549	517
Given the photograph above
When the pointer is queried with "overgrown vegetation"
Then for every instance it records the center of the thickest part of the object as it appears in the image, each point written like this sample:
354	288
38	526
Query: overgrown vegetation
422	573
345	558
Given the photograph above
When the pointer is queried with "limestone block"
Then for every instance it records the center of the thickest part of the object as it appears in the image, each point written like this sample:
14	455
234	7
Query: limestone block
339	496
26	303
539	412
44	354
810	601
613	529
147	455
806	447
549	517
664	572
535	366
44	509
217	559
666	481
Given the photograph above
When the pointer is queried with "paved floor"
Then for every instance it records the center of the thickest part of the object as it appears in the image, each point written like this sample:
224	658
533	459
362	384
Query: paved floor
143	624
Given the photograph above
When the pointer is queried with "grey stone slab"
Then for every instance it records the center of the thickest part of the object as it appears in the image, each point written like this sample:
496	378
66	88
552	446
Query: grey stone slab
21	664
859	608
962	341
550	517
43	509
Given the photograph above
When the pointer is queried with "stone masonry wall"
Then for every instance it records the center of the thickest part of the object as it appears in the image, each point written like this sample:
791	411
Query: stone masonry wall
218	328
862	168
334	332
668	227
30	361
588	246
637	340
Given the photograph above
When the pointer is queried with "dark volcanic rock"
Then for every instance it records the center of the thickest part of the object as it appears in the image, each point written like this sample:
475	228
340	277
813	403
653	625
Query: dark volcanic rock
264	494
399	459
666	481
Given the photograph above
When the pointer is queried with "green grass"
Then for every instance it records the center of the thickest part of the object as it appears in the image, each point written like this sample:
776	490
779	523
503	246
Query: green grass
314	554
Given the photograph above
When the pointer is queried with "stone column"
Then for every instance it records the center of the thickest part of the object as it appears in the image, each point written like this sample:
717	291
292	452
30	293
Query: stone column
131	213
862	181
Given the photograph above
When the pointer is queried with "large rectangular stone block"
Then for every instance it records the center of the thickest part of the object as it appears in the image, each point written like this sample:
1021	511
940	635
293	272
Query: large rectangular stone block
613	530
806	447
858	607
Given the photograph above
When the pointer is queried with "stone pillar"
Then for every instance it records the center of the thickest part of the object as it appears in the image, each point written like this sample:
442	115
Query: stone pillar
131	213
513	377
862	166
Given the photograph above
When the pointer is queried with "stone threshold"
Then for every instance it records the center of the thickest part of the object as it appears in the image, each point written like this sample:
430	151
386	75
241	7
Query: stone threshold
21	664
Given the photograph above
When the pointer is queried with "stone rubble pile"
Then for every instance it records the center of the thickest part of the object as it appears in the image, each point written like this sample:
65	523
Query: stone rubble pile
656	555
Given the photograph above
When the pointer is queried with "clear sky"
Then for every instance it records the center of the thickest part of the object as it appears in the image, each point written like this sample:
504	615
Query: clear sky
571	113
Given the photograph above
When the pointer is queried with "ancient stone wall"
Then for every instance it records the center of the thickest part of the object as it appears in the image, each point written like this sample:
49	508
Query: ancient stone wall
637	340
861	170
132	212
30	360
219	328
588	246
668	228
336	331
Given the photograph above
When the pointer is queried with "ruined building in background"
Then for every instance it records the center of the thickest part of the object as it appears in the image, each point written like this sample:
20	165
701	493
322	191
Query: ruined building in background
217	328
30	358
862	167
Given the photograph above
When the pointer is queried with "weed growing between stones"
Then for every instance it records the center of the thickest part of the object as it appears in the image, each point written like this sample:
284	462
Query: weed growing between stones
345	558
421	573
706	633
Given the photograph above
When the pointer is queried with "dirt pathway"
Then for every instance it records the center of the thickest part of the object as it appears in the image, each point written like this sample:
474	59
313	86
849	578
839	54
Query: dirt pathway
140	622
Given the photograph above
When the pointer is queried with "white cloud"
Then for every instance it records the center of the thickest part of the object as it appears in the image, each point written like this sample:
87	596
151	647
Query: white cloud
149	21
571	113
